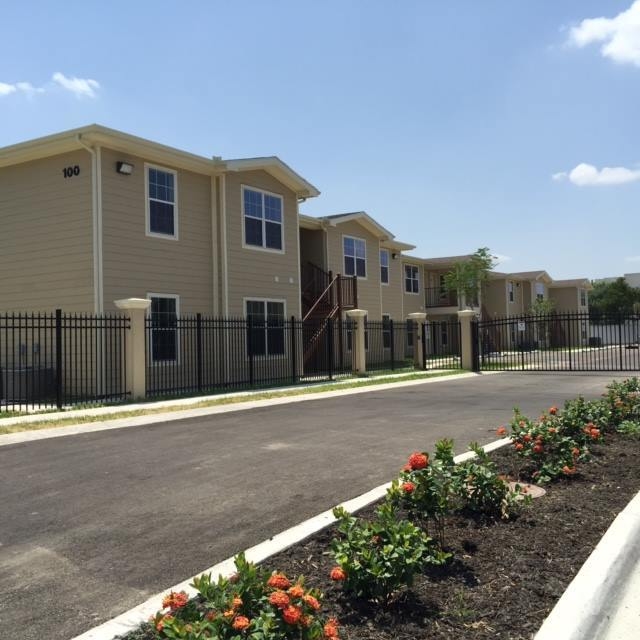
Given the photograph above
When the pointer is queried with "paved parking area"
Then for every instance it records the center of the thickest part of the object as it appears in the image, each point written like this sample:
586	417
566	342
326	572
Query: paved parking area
93	524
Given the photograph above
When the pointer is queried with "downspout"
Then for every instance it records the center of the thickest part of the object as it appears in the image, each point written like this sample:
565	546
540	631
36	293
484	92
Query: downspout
96	202
299	274
223	233
215	249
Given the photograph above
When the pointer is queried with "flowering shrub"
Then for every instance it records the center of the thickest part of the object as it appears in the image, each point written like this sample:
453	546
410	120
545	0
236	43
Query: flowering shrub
375	559
429	489
545	446
484	490
623	399
579	413
251	604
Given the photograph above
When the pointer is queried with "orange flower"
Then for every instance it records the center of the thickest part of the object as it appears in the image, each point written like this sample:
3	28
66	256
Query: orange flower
408	487
519	446
527	437
279	599
160	624
331	629
553	411
538	448
291	614
229	613
575	451
595	434
500	431
240	623
296	591
306	621
312	602
568	470
236	603
279	581
552	430
175	600
338	574
418	460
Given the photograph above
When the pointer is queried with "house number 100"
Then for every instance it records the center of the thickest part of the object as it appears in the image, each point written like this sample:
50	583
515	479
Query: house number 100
69	172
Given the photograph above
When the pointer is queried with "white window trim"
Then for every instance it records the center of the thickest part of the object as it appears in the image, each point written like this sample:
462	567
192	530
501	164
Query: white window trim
385	284
404	279
366	269
148	232
254	247
265	300
160	363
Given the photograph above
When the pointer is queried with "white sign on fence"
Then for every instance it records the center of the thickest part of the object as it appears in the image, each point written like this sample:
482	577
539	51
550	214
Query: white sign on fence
521	326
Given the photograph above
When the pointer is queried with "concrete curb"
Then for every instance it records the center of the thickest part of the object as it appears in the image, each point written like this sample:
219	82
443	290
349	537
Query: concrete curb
155	418
595	596
128	621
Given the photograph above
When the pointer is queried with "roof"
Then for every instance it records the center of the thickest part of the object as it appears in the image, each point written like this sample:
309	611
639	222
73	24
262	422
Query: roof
97	135
531	275
361	217
583	283
447	260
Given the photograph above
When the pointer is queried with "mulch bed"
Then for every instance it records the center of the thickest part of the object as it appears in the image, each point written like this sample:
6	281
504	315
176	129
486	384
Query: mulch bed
506	576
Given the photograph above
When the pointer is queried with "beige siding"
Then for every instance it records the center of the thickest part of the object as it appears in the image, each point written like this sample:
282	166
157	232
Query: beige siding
566	299
135	264
255	273
494	299
412	302
392	293
369	287
46	243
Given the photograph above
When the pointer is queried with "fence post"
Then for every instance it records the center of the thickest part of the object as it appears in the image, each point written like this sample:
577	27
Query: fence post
392	345
465	317
199	350
294	355
250	349
359	355
475	344
59	358
620	320
419	351
136	357
330	347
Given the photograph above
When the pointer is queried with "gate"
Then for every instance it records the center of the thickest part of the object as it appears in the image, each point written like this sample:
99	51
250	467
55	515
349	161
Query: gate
558	342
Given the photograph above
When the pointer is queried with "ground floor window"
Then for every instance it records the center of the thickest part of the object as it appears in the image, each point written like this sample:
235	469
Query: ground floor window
410	332
444	333
164	327
265	327
386	331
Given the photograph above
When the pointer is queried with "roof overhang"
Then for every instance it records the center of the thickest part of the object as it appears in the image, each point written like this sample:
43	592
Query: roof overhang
581	283
364	219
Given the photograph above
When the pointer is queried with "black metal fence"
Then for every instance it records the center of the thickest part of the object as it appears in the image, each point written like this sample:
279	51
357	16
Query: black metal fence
386	346
194	354
57	359
559	342
442	344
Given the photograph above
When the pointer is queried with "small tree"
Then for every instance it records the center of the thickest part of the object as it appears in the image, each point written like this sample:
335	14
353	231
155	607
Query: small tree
468	276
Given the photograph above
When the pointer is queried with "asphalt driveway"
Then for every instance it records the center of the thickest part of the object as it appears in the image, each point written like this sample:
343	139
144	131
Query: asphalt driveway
93	524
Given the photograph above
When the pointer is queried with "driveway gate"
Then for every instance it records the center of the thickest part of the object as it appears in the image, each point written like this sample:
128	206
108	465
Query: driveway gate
558	342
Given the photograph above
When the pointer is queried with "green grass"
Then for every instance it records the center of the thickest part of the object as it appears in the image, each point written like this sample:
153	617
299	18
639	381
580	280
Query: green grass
213	402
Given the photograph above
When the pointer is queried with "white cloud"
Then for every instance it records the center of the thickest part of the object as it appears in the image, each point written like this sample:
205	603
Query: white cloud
81	87
586	175
620	36
22	87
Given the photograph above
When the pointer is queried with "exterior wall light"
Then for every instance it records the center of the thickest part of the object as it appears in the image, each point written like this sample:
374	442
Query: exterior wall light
125	168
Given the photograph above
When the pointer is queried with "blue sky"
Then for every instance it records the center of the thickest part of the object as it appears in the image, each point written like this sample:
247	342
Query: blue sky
456	124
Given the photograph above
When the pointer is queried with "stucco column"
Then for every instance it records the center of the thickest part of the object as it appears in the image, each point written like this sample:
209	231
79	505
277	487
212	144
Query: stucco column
136	361
418	320
466	316
359	355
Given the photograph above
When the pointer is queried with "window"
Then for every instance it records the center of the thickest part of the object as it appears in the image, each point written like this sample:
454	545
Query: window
510	291
355	257
386	331
162	207
539	291
411	281
583	297
444	333
384	266
265	327
262	213
164	327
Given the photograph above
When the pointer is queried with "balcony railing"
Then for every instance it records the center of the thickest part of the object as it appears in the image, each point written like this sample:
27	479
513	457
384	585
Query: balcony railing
439	297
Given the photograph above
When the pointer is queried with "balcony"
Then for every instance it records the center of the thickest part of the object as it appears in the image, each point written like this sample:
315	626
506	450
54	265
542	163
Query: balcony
439	297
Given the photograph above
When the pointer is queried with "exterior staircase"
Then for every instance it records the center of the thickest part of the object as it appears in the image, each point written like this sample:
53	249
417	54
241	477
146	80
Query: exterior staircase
324	297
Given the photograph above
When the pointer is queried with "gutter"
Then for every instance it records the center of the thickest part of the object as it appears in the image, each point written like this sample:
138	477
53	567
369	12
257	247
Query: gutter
96	202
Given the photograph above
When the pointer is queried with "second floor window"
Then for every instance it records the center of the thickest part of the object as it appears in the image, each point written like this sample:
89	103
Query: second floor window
384	266
411	279
510	291
262	213
162	206
355	257
539	291
583	297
